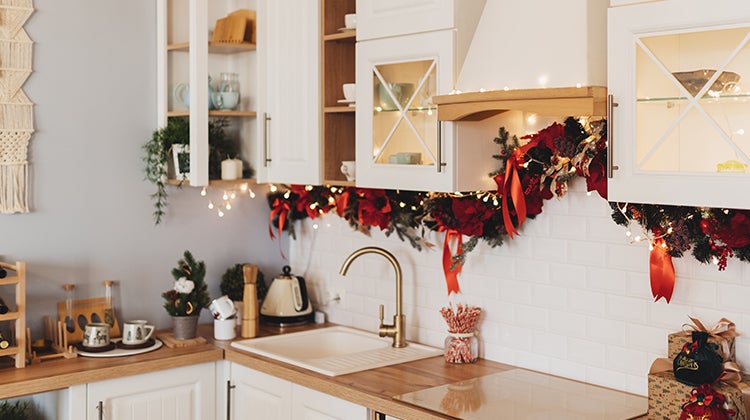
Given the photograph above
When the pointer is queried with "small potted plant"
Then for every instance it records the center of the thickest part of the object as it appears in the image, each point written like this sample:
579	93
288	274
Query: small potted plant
187	297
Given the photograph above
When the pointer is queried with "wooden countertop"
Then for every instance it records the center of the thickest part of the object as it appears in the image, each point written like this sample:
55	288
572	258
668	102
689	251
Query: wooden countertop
373	388
62	373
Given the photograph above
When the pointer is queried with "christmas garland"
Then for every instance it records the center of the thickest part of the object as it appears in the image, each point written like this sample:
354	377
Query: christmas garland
532	169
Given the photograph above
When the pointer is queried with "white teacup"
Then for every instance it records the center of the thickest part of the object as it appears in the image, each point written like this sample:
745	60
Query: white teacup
136	332
96	334
222	308
349	169
350	21
349	91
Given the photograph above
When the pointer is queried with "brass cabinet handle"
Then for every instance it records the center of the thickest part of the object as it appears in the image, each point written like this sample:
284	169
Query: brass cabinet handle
611	104
266	121
439	155
230	387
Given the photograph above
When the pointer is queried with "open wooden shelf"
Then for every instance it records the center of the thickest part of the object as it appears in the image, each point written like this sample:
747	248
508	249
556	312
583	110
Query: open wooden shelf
350	36
18	318
475	106
216	182
339	182
337	109
10	316
216	113
216	47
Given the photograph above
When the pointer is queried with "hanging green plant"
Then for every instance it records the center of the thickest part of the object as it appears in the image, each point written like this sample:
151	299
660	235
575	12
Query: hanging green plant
177	131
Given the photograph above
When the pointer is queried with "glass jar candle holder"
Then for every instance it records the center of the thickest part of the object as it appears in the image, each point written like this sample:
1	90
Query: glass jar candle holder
461	347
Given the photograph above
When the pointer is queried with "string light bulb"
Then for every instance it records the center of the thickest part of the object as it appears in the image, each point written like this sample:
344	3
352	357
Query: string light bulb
273	188
210	205
203	192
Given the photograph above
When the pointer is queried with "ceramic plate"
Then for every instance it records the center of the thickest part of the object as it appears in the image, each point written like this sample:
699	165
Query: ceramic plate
118	352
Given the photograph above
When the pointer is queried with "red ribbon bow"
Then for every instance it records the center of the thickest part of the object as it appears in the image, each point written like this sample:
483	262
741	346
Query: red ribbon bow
509	184
451	275
281	208
662	272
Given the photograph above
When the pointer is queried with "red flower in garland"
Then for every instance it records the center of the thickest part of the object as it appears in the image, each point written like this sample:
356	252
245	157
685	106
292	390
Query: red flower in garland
374	208
470	215
735	235
597	179
546	137
309	203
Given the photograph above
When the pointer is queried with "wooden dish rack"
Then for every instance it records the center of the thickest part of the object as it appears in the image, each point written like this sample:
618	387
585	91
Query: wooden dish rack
18	317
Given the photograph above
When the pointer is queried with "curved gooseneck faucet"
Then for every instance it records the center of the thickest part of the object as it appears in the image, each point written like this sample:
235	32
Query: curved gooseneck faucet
398	329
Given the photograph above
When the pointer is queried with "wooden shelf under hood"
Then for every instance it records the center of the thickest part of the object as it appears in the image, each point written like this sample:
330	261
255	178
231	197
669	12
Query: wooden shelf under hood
476	106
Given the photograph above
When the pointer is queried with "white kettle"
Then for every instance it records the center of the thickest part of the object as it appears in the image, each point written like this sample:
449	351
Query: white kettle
286	302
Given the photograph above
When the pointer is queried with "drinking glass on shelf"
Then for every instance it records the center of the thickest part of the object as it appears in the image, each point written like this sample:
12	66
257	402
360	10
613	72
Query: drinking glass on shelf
230	82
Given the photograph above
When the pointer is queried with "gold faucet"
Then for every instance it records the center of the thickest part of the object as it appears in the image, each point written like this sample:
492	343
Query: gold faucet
398	329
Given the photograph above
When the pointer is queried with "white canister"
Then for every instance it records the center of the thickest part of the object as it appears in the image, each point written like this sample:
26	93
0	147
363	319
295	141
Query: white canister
224	329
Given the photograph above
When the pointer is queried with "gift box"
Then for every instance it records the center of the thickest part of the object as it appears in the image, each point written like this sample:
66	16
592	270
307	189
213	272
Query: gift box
666	396
722	335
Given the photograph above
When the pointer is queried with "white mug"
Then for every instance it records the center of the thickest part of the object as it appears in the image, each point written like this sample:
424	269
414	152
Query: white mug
136	332
222	308
96	334
224	329
350	20
349	169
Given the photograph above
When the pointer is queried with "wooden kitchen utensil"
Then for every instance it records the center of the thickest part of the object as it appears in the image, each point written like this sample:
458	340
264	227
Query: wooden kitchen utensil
250	301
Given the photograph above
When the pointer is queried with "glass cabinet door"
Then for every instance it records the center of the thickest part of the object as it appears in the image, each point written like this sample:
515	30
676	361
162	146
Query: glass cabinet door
403	116
680	72
692	109
400	142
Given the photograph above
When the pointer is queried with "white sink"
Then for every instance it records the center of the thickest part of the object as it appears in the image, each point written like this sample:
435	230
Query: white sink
335	350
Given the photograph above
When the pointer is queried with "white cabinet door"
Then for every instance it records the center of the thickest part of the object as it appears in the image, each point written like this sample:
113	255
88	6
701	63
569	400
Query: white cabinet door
678	71
289	118
256	395
384	18
186	393
313	405
400	143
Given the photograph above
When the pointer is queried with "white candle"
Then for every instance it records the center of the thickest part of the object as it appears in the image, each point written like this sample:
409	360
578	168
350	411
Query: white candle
231	169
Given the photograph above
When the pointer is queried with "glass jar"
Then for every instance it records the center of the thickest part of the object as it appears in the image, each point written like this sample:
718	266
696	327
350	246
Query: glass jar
230	82
461	347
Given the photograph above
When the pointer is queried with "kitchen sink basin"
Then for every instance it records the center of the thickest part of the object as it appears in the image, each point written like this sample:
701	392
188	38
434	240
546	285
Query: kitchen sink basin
335	351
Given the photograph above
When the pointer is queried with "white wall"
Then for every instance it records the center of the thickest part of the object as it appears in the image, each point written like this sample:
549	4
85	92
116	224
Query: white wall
569	296
94	88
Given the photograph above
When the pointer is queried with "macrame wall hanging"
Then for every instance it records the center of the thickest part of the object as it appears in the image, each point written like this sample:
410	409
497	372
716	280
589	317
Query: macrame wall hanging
16	113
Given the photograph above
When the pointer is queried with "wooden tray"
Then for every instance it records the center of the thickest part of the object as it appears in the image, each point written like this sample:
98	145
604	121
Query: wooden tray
172	342
83	312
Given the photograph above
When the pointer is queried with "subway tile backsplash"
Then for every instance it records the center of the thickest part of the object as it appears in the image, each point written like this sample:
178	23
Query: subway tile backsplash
570	296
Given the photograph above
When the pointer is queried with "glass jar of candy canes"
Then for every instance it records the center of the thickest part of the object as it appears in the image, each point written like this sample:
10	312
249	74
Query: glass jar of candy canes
461	347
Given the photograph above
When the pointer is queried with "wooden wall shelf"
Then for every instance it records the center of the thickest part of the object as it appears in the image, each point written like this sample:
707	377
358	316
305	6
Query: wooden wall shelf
476	106
216	182
216	113
350	36
18	349
215	47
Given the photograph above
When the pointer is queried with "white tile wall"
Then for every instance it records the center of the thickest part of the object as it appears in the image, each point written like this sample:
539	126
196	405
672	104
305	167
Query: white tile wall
570	296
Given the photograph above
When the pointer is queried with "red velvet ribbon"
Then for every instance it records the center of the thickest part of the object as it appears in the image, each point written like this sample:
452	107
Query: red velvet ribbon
509	186
281	208
342	203
662	272
451	275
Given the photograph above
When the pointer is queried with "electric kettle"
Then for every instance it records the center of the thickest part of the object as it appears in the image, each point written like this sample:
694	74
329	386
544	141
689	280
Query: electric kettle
286	302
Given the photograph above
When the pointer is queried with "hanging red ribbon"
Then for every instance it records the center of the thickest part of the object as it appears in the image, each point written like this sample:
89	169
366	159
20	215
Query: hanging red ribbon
509	184
451	275
342	202
281	208
662	272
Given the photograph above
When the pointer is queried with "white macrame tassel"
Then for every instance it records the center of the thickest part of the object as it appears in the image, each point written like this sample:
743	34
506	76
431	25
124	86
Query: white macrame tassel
14	193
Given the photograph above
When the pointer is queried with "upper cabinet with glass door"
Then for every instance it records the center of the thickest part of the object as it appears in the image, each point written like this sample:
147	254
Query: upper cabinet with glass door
400	142
679	71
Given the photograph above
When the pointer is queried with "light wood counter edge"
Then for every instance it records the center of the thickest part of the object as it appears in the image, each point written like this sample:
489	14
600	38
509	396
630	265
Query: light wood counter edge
63	373
326	385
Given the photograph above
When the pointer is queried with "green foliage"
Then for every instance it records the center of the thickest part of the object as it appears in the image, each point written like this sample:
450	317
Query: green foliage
18	410
177	131
233	284
180	303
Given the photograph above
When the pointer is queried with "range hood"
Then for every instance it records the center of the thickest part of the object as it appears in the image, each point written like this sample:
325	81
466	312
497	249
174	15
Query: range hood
564	101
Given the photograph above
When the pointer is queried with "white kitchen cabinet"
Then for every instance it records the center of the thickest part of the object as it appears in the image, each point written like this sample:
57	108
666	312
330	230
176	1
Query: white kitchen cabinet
185	55
289	109
174	394
256	395
680	143
386	18
400	142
